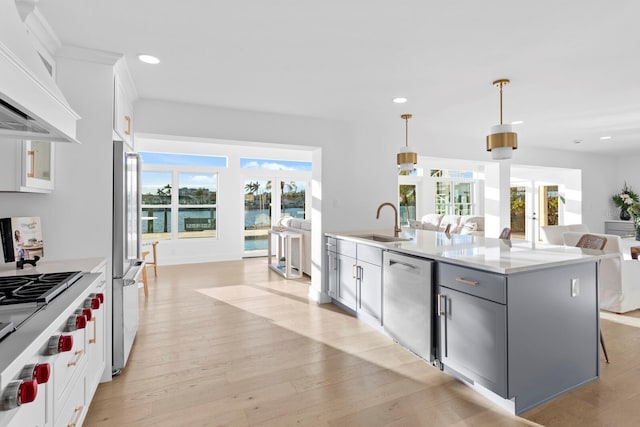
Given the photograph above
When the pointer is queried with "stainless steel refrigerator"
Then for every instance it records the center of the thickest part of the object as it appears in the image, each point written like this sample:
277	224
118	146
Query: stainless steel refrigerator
127	264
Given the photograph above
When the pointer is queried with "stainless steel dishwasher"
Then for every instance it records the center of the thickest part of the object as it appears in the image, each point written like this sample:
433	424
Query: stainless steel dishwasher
407	310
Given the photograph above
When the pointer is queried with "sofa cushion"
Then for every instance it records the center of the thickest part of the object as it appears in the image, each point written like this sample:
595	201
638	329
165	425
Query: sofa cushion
478	220
454	220
554	233
429	226
432	219
468	228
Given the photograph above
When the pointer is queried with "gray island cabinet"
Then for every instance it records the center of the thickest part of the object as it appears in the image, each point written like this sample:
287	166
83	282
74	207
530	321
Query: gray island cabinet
516	322
525	336
354	273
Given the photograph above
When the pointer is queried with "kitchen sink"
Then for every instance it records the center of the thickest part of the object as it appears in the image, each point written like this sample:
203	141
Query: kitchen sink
381	238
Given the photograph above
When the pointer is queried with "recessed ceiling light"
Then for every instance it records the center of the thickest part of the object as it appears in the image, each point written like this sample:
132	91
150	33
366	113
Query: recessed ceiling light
577	141
148	59
517	122
605	138
399	100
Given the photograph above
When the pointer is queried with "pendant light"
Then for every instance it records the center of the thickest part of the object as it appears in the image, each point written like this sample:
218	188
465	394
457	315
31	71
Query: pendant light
502	140
407	159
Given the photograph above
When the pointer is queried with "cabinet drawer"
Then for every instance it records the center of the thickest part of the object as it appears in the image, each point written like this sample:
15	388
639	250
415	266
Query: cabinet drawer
474	282
346	247
331	244
370	254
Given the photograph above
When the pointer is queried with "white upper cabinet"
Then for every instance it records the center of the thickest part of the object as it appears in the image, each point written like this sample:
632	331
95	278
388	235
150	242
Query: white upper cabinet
27	166
123	108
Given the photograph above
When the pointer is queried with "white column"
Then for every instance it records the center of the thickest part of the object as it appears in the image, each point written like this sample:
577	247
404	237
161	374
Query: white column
497	197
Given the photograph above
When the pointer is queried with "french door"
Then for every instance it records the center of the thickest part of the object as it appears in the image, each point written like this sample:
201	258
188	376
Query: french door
266	201
534	204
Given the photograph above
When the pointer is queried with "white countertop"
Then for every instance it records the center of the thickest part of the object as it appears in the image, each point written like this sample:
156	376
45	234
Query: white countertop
43	266
489	254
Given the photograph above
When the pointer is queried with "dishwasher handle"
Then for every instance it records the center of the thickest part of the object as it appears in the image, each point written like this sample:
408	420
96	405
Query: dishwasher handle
403	265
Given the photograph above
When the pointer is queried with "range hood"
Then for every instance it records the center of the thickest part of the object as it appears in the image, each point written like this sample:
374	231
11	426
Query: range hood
31	105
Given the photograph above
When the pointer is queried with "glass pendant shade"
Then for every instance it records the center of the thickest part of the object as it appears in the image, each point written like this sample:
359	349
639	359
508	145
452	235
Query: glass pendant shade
502	140
406	158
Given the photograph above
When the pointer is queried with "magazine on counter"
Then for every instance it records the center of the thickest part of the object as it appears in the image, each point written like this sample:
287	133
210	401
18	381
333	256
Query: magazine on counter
21	238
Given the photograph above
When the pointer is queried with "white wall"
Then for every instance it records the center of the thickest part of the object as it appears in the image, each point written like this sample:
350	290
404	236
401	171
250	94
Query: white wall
76	217
330	143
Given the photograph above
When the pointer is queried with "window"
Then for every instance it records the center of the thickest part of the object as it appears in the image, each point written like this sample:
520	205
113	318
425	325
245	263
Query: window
454	191
156	201
189	212
407	203
197	204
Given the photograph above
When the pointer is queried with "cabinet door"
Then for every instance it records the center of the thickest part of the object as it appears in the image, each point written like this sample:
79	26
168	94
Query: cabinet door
122	113
332	274
38	165
473	339
347	281
370	289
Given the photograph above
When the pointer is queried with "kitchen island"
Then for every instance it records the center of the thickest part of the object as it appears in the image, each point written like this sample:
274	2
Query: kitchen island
516	321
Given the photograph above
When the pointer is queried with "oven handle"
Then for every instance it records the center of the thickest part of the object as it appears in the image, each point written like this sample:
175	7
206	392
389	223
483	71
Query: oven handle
128	282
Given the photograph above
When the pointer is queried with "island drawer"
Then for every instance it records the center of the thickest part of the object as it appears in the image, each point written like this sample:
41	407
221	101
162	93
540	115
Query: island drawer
370	254
347	247
331	244
474	282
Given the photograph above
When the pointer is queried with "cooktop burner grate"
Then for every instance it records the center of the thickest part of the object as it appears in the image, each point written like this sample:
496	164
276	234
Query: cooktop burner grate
35	288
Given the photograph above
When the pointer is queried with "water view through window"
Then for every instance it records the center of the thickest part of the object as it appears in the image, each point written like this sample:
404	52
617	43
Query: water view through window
262	195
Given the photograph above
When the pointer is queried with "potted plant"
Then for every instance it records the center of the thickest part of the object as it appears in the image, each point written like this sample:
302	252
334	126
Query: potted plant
282	261
634	210
624	200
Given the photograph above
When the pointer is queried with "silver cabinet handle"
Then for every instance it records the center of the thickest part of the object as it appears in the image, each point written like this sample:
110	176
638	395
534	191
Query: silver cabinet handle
354	272
439	305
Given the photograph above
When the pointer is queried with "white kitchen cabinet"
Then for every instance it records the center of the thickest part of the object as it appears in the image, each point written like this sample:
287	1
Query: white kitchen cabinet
359	278
122	111
331	267
27	166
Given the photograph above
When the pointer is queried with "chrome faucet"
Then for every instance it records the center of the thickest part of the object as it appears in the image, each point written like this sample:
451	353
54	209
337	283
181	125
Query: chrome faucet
396	229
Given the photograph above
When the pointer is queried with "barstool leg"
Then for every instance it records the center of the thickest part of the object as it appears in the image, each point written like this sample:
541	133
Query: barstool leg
604	349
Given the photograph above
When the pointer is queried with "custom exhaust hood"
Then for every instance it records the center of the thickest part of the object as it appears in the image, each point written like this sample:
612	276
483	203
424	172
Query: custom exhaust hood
31	105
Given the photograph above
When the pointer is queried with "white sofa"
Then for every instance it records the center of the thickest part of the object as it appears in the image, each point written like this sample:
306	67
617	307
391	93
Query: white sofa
460	224
302	226
619	277
553	234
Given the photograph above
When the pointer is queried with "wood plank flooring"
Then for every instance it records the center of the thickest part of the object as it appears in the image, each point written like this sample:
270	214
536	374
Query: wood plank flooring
234	344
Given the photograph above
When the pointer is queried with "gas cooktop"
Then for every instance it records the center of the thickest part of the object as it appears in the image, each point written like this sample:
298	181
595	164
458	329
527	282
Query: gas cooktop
23	296
35	288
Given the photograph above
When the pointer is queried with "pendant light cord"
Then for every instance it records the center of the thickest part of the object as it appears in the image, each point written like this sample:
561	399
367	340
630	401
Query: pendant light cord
501	103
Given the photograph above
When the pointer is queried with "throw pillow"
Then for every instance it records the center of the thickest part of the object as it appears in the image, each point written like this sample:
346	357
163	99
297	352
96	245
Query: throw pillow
469	228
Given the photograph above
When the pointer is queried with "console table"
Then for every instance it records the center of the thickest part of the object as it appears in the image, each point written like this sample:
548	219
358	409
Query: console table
619	227
286	242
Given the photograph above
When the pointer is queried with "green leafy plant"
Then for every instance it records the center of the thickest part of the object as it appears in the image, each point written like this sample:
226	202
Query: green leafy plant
625	198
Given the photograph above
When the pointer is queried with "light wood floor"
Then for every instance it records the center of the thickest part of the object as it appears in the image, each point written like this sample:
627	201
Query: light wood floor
232	343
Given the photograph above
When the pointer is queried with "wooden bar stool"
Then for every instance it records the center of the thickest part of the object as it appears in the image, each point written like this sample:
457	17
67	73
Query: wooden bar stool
155	266
155	258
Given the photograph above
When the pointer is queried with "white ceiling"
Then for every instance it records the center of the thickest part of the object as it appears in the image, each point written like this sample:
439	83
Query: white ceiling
574	65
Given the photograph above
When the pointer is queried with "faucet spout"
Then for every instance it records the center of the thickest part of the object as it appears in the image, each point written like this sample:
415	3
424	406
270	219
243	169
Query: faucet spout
396	228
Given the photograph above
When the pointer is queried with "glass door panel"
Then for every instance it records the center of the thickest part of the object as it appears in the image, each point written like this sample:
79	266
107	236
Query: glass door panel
292	199
257	216
407	203
462	198
518	212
